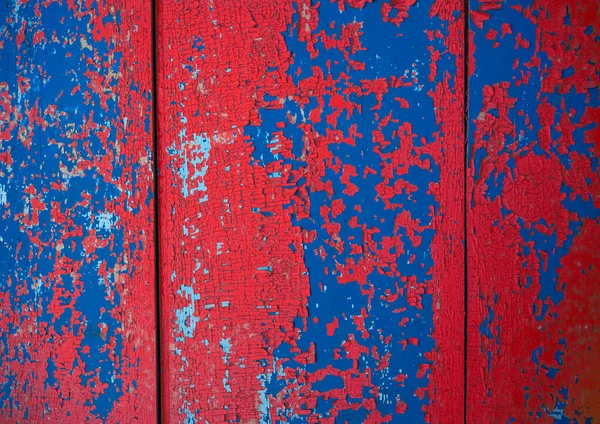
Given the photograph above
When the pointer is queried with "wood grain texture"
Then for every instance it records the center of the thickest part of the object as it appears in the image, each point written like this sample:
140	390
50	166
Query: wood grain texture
534	209
77	320
311	210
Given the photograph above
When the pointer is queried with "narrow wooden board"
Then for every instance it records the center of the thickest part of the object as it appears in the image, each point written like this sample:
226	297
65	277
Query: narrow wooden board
534	209
77	321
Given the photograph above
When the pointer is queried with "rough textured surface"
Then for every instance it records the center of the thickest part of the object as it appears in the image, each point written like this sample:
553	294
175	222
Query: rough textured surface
311	210
77	318
534	208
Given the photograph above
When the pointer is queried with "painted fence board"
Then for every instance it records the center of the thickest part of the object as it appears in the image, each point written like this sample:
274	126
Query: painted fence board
311	210
77	322
534	209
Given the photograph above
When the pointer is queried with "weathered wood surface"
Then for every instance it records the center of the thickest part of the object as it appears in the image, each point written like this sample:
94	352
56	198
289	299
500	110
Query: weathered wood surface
311	210
534	208
77	321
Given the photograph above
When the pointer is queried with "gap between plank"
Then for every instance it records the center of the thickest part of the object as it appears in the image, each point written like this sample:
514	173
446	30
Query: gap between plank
155	172
465	199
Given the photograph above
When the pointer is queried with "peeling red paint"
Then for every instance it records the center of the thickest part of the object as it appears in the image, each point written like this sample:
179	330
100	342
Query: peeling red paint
77	319
243	265
533	190
312	197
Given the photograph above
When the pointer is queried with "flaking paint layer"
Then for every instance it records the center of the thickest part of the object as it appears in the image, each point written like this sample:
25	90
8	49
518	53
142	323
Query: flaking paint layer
534	210
323	239
77	319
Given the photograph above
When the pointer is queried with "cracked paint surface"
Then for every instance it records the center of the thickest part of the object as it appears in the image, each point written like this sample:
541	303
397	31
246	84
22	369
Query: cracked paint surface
77	324
311	210
311	160
534	212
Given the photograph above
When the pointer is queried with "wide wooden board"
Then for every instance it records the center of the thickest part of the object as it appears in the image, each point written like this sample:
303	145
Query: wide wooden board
311	210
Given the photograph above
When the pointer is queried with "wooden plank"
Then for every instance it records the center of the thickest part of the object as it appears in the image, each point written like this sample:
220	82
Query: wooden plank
534	193
77	322
311	209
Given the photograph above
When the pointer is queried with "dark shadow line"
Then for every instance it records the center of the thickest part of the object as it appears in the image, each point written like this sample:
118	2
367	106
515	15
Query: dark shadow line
155	169
465	201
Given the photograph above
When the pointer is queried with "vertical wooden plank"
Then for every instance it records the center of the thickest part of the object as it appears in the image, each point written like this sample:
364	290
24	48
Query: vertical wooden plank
77	319
534	193
311	209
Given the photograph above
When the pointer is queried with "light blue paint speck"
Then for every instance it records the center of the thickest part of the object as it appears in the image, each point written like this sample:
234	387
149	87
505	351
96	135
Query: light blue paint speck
186	321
